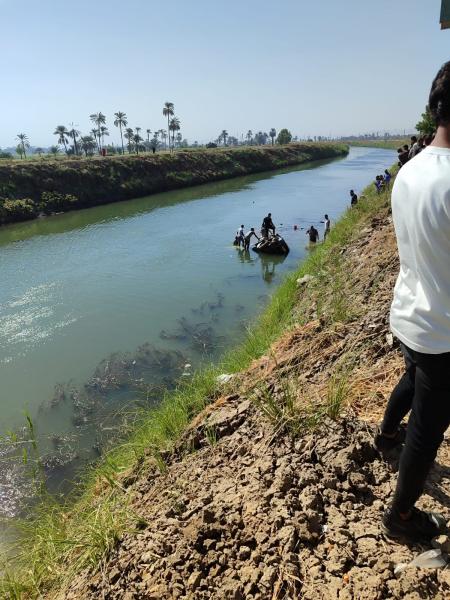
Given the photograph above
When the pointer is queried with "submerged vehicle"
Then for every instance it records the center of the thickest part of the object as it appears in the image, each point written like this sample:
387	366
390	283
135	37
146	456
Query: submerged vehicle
272	245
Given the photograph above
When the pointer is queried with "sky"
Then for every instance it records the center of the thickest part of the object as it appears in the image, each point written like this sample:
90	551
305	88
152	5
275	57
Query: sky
316	67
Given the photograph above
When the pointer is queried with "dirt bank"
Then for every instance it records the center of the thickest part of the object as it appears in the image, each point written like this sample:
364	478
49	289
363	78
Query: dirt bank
275	491
32	188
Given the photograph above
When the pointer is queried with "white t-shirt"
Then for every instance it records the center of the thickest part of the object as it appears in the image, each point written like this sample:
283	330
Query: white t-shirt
420	311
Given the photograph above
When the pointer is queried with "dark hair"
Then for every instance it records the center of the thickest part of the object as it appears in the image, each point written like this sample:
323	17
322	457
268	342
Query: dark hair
269	215
413	138
400	150
406	147
439	100
326	216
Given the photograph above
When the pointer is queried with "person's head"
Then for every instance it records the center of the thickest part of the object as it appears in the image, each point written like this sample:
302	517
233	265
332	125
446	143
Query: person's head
386	172
406	147
326	216
413	139
269	215
439	99
427	140
400	150
351	192
252	229
242	226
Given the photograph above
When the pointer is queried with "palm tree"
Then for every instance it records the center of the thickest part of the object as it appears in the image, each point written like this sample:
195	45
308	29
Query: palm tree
54	150
273	134
129	133
99	119
224	136
249	136
164	137
23	144
74	133
137	139
104	131
94	134
63	135
179	139
121	121
148	135
168	111
88	144
174	125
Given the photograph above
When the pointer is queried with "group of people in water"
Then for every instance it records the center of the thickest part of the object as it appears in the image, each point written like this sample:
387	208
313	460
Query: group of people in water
243	238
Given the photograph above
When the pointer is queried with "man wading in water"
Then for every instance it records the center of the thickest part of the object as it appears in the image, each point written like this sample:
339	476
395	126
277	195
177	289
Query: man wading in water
420	319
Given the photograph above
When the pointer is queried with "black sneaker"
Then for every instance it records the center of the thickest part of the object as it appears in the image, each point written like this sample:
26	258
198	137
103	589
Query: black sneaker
420	527
385	445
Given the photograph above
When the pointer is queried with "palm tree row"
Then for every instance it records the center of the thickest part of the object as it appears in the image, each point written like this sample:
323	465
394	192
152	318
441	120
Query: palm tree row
95	140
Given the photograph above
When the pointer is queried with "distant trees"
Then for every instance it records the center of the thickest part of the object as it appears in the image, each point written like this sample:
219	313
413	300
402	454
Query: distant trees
272	134
120	121
168	111
426	125
284	137
223	136
63	135
88	145
54	150
174	126
261	138
74	133
249	136
23	145
98	119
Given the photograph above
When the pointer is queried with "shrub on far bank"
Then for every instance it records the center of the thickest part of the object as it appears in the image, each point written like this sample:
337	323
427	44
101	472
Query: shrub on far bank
17	210
55	202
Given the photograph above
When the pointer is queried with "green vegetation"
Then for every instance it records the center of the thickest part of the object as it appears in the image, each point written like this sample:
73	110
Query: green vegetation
284	137
63	539
35	187
386	144
426	125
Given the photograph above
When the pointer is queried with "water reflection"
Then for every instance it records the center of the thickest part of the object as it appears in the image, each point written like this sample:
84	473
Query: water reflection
268	264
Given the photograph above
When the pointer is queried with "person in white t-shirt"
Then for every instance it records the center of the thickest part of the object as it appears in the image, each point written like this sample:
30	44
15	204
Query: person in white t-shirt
420	319
327	226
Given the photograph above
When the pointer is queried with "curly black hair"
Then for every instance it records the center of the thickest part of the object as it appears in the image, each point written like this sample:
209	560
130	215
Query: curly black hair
439	101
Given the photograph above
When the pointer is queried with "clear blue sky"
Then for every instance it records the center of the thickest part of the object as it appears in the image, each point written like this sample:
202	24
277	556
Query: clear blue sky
316	67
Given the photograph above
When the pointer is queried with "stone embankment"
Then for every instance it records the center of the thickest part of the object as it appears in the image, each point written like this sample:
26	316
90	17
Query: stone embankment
275	490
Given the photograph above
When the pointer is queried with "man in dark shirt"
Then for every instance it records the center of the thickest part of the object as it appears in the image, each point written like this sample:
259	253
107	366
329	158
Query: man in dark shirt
403	157
266	225
354	198
313	234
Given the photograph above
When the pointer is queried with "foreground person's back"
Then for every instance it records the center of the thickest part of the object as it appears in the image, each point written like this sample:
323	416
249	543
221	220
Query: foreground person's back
420	313
420	318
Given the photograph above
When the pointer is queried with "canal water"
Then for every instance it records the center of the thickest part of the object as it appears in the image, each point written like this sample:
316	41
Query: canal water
104	307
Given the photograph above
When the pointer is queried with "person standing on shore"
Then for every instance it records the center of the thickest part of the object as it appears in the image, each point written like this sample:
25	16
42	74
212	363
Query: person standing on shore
420	319
326	227
353	198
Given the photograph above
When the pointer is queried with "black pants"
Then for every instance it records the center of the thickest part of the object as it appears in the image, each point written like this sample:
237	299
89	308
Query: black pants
424	389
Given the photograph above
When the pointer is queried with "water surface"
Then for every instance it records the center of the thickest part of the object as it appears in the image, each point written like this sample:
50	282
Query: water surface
157	273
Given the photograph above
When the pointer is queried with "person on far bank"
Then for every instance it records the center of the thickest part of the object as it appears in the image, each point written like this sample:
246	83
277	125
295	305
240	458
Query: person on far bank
353	198
313	234
420	319
327	226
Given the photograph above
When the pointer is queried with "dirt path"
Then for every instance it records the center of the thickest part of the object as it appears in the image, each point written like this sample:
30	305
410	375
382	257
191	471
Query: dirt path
258	509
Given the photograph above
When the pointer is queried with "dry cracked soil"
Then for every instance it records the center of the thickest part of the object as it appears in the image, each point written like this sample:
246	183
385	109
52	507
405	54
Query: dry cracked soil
260	508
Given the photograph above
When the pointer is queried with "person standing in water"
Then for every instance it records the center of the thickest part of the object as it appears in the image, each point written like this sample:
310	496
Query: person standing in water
327	227
313	234
420	319
241	236
248	237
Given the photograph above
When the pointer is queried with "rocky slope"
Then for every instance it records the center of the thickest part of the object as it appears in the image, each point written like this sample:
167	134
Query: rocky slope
275	490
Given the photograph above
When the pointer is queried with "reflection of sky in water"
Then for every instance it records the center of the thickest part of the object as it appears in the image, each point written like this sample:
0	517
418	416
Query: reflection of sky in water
27	320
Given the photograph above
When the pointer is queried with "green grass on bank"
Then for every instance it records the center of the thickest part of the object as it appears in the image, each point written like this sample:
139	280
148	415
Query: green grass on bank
61	540
386	144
